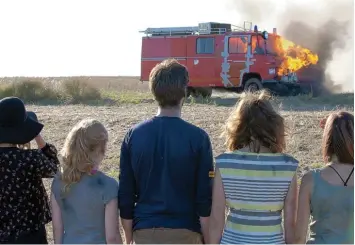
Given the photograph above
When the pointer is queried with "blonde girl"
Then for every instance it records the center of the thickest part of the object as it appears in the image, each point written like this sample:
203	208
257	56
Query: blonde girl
84	200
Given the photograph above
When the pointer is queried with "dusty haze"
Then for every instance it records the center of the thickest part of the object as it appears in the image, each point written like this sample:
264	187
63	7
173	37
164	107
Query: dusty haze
324	26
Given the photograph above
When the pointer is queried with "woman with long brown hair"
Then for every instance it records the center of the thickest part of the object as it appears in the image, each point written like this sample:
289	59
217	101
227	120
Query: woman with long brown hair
327	194
254	179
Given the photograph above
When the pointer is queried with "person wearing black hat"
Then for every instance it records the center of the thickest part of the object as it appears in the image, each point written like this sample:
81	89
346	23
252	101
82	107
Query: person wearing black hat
24	206
33	116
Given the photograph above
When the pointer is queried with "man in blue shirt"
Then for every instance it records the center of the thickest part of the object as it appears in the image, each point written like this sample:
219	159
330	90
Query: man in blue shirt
166	169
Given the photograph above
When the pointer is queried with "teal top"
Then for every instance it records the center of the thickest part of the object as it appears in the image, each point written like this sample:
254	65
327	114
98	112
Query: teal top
332	211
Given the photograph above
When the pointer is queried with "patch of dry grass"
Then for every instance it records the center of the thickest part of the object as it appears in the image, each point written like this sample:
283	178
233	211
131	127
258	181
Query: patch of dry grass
302	116
80	90
129	90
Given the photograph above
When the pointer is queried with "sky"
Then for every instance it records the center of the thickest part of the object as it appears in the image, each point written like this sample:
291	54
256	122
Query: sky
93	37
86	37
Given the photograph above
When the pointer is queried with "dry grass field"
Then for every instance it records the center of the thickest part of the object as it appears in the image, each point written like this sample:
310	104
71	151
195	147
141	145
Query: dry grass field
302	115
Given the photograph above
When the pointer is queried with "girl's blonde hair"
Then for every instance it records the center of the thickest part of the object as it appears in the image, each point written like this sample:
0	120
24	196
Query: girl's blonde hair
255	122
84	143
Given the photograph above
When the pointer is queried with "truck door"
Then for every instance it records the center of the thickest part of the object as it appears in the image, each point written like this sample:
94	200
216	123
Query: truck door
265	59
237	58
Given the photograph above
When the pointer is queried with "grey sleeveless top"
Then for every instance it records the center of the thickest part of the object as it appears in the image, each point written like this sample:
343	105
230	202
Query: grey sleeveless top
332	211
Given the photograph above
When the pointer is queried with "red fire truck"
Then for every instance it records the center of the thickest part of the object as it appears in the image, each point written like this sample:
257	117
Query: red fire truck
218	55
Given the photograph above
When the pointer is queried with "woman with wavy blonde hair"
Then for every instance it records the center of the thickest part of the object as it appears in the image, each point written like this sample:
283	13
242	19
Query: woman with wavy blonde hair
254	179
84	200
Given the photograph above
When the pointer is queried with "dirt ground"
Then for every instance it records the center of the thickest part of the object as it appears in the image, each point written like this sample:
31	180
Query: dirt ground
304	134
303	140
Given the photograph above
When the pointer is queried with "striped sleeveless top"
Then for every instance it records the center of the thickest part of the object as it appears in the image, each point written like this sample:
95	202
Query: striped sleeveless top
255	186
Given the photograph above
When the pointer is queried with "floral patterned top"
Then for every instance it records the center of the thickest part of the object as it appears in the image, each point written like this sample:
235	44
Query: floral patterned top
24	205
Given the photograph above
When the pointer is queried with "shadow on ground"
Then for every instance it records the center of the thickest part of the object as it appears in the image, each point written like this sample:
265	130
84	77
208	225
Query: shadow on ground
296	103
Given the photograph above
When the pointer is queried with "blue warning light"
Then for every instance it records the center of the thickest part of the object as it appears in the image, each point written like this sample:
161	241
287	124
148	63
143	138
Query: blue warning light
255	28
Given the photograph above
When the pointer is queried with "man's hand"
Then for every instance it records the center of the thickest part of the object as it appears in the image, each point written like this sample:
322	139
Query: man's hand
127	228
205	229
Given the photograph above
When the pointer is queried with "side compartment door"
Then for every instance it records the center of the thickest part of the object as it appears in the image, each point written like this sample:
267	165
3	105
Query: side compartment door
154	50
178	48
237	58
157	49
201	60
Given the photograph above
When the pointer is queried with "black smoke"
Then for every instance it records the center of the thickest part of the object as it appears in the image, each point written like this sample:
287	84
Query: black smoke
323	26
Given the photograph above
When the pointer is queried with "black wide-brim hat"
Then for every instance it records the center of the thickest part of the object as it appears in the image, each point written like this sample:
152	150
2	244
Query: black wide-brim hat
16	124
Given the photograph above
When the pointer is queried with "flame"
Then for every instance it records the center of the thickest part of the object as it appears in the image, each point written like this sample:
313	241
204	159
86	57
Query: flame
294	57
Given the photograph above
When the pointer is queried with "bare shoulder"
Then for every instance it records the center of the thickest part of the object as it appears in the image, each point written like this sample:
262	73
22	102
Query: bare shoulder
307	180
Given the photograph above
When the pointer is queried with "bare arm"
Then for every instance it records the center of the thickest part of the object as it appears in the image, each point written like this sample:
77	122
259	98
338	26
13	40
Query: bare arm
111	223
304	209
290	211
40	141
57	223
217	221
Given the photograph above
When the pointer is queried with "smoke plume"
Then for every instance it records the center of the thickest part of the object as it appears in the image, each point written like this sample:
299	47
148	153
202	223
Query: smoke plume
323	26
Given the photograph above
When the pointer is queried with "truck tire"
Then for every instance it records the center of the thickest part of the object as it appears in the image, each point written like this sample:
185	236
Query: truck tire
203	92
206	92
295	91
253	85
189	92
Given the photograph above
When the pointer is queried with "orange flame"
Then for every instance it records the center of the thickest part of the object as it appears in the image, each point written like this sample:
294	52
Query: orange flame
294	57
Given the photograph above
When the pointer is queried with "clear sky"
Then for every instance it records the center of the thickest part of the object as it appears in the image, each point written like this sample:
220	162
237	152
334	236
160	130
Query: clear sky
97	37
86	37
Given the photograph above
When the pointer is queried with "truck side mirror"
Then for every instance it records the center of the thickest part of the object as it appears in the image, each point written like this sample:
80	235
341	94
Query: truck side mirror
265	35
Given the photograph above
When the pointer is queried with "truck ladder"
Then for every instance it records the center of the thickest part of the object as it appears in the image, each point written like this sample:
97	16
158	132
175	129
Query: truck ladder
169	31
244	28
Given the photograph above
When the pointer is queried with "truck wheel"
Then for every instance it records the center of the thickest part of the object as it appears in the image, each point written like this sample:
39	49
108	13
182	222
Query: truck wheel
253	85
295	91
283	90
206	92
189	91
203	92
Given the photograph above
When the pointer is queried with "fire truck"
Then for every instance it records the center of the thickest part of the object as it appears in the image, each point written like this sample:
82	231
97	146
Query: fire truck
219	55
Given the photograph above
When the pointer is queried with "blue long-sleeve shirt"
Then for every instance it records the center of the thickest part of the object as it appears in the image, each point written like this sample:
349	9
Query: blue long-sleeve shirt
166	165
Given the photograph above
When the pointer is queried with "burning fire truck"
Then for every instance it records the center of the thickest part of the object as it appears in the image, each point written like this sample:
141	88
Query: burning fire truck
219	55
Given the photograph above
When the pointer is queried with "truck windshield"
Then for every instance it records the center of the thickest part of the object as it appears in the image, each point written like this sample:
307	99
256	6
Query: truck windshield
258	45
271	45
262	46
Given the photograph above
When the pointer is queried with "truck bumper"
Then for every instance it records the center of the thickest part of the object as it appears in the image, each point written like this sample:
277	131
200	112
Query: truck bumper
275	82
